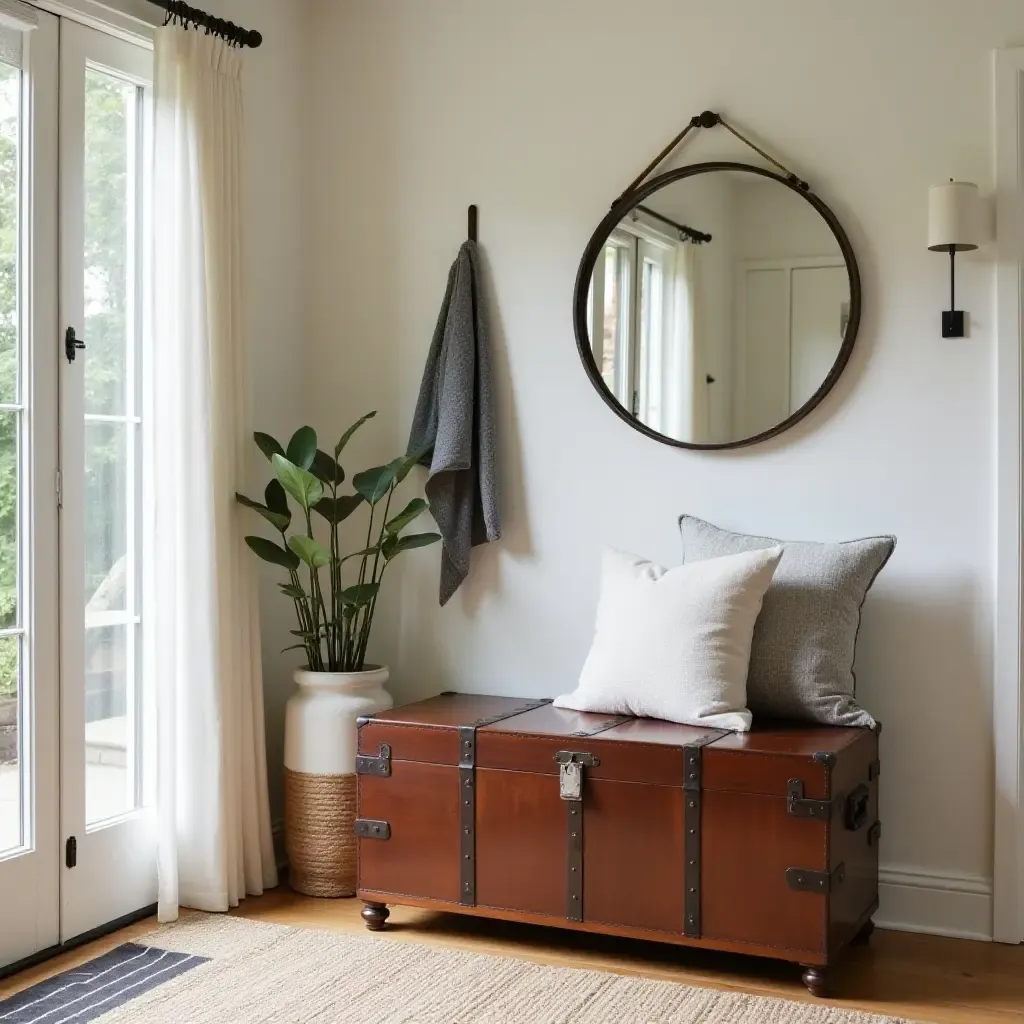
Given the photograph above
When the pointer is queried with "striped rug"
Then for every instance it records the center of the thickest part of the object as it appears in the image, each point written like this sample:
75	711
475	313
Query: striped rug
96	988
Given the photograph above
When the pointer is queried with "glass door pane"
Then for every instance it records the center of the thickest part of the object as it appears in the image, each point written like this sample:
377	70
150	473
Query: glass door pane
105	108
13	776
111	440
29	751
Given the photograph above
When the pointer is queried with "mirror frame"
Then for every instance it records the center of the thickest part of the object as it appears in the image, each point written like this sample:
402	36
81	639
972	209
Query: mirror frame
596	245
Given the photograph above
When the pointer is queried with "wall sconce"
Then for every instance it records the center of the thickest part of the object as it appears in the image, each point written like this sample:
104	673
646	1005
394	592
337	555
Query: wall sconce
953	226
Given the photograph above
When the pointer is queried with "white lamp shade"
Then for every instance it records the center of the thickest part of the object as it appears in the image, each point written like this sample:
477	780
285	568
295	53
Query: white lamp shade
954	216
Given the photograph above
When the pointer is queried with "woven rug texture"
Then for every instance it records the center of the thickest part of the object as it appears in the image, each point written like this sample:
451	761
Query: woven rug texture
261	973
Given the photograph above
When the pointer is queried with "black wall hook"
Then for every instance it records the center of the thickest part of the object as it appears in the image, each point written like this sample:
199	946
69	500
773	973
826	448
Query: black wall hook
473	221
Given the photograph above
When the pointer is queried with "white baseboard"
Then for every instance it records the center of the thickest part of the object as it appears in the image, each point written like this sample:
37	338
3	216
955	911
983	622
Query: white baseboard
958	906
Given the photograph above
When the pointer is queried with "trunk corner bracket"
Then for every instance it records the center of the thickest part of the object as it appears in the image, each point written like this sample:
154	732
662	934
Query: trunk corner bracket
368	764
824	882
366	828
799	806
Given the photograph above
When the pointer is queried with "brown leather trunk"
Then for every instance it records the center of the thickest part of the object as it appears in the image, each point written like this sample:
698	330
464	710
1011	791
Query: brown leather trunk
763	843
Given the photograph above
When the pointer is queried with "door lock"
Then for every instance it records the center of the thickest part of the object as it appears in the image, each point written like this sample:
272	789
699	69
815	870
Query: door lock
72	344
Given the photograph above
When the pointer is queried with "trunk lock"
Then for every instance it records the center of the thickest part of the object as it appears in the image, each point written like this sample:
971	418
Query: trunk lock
570	772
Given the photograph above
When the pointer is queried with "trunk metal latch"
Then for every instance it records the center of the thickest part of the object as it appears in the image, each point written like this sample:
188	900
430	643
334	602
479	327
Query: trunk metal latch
570	772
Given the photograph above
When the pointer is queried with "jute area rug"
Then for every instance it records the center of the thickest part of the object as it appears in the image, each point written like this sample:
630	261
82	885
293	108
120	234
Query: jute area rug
271	973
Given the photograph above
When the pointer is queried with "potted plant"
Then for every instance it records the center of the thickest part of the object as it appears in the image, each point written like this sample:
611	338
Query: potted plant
335	598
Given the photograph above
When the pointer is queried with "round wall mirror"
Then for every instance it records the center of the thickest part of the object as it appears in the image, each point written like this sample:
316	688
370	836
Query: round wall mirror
716	305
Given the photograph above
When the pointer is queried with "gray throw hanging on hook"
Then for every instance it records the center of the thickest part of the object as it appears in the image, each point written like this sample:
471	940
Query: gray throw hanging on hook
454	420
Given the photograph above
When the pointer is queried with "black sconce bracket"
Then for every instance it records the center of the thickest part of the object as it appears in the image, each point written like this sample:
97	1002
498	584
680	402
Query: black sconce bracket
952	318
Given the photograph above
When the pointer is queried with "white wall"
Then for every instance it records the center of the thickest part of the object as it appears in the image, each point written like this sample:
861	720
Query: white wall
421	108
774	223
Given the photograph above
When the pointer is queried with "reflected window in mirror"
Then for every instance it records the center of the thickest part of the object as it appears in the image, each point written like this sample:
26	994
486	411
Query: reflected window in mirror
639	302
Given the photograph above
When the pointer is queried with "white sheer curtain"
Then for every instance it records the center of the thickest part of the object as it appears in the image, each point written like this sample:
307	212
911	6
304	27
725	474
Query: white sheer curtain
685	388
215	843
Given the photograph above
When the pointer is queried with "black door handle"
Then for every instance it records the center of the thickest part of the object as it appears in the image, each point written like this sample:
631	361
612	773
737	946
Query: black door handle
72	344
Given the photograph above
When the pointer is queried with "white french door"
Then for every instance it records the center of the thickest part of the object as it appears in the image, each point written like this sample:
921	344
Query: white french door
77	837
29	682
107	821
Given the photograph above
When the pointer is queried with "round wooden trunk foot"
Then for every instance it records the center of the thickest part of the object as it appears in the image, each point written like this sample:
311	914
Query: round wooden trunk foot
375	915
863	937
817	981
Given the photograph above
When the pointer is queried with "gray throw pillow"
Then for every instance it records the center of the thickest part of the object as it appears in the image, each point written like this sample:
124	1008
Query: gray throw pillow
801	661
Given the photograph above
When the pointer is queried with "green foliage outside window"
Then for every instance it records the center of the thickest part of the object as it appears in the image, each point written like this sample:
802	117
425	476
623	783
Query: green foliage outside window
109	109
9	78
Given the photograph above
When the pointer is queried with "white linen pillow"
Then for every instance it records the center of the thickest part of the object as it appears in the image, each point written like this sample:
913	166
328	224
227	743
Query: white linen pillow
675	643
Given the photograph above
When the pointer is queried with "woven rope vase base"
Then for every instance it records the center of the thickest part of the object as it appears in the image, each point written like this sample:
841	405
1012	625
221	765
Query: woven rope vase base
319	823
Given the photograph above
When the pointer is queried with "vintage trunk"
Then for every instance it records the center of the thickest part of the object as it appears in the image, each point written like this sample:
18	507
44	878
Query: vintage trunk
763	843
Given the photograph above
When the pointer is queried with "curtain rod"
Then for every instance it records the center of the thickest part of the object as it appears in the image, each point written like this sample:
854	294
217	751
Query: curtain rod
692	234
218	26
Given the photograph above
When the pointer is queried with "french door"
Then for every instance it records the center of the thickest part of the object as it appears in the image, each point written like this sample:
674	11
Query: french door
29	677
107	820
77	837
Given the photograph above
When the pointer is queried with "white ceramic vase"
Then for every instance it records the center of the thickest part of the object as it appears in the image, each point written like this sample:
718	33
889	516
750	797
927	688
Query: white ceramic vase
320	783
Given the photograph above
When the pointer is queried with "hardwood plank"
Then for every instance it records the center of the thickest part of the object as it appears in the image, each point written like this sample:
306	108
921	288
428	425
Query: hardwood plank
922	977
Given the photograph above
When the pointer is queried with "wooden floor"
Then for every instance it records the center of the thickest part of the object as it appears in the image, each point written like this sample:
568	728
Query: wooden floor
920	977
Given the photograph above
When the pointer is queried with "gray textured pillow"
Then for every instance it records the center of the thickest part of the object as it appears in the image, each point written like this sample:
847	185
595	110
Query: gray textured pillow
801	661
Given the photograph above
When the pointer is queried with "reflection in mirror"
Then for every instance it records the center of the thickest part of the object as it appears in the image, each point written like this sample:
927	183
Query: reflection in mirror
718	307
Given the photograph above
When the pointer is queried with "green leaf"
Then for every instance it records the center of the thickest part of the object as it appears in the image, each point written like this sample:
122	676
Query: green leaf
405	464
305	633
347	436
294	647
338	511
268	445
360	595
412	511
276	519
300	484
270	552
302	447
276	498
290	590
394	546
311	551
374	483
327	469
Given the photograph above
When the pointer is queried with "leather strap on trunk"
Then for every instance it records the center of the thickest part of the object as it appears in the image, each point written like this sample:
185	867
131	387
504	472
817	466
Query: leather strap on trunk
467	797
692	784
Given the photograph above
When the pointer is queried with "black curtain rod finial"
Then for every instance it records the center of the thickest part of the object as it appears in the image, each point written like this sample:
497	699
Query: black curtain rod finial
191	17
